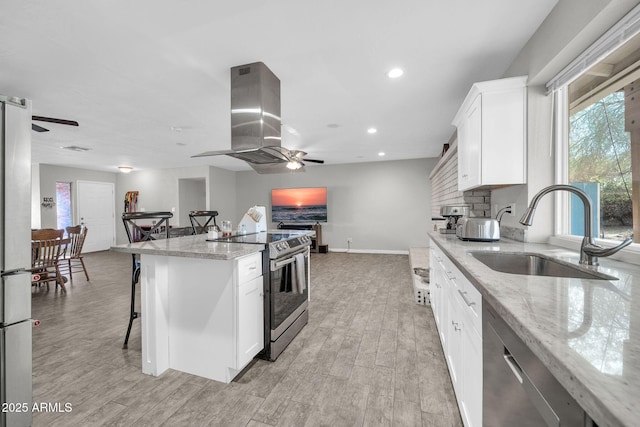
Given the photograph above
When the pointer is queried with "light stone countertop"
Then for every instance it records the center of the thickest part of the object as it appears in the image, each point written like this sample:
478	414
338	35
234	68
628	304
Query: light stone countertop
191	247
586	332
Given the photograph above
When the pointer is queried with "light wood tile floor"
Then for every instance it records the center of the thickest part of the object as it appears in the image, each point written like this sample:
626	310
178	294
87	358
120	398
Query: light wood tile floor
369	356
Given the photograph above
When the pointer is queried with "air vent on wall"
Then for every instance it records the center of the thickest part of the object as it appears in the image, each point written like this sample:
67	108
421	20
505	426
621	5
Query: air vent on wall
75	148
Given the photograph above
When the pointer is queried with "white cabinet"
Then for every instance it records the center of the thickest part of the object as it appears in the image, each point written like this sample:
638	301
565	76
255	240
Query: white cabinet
250	333
469	145
472	373
454	346
457	308
436	288
492	136
201	316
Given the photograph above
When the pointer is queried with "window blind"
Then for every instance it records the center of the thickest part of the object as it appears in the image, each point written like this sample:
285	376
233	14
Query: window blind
616	36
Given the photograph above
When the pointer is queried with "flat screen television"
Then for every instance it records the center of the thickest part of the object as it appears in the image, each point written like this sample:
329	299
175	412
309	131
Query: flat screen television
299	204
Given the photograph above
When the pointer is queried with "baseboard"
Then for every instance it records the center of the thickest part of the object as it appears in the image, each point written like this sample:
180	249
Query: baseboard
369	251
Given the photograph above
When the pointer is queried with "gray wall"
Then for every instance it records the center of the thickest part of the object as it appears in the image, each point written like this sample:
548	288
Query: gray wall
159	191
383	206
571	27
50	174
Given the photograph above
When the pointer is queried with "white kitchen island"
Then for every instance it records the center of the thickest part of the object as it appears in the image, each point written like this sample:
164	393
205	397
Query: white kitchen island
202	305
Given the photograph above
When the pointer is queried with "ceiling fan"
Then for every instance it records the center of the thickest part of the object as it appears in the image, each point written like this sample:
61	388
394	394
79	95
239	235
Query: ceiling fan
50	120
296	158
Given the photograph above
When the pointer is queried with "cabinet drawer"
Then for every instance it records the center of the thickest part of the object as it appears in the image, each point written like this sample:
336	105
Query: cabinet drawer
249	267
471	300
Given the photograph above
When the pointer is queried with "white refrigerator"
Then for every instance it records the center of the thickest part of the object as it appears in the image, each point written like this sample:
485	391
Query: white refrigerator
15	262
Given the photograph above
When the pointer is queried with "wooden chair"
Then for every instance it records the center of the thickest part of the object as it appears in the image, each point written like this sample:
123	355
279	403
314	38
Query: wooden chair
45	255
136	224
47	234
72	258
206	216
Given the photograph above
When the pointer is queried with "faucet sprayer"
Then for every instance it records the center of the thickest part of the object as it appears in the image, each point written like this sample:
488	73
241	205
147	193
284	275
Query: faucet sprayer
589	251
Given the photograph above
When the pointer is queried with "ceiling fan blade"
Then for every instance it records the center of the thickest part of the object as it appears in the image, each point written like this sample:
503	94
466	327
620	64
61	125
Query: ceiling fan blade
314	161
38	128
52	120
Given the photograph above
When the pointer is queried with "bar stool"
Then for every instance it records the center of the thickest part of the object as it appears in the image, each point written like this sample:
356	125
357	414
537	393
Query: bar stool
140	232
198	227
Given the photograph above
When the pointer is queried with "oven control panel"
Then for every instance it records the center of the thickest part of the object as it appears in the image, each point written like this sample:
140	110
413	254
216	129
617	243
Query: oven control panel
283	247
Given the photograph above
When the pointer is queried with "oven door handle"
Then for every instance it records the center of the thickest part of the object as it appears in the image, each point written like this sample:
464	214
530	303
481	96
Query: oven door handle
278	264
289	260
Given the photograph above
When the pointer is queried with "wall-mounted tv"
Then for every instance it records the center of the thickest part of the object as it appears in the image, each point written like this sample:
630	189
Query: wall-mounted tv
299	204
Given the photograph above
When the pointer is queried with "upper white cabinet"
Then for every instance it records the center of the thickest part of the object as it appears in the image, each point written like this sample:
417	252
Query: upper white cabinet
492	134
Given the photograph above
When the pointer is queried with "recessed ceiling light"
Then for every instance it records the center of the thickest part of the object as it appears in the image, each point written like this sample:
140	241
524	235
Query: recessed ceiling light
395	73
372	130
125	169
381	154
176	128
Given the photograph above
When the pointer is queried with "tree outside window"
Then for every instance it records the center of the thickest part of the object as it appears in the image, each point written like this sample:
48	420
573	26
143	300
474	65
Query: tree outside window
600	153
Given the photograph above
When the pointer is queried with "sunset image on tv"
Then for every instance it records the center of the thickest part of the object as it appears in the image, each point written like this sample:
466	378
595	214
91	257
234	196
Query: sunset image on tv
299	204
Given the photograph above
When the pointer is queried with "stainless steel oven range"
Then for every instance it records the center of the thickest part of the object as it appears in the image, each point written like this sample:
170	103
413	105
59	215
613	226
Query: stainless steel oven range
285	264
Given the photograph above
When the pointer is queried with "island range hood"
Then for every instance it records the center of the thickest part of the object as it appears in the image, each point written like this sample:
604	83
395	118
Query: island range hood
256	124
255	119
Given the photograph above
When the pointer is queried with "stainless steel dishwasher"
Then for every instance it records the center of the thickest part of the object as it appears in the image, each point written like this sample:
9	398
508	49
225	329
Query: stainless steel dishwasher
518	390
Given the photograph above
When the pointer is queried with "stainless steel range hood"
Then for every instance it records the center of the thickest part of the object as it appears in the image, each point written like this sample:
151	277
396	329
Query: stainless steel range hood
255	119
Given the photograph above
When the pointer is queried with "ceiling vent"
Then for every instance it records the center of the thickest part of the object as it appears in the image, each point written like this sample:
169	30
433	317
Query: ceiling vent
76	148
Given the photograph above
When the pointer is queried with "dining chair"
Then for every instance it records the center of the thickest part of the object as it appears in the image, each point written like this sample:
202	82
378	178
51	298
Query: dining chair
200	226
72	258
47	244
45	255
47	234
138	229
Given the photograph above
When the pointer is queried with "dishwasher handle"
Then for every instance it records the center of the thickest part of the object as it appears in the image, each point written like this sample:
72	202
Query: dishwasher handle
537	399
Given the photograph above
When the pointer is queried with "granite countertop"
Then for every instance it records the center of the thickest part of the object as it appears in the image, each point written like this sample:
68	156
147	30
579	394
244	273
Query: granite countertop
191	247
586	332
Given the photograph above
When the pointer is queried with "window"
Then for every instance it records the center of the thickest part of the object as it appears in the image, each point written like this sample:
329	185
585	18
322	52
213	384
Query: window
600	108
600	164
63	205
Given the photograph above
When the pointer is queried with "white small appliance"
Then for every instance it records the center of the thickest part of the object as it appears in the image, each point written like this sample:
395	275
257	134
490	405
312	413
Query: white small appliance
254	221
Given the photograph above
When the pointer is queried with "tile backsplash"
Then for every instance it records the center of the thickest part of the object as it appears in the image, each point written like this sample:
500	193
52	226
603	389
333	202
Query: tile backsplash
444	189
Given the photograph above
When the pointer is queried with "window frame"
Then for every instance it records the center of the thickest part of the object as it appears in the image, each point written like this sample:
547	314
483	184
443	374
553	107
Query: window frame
561	234
627	28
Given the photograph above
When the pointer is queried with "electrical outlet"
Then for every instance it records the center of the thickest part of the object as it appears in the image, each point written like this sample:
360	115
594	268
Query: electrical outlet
513	209
173	209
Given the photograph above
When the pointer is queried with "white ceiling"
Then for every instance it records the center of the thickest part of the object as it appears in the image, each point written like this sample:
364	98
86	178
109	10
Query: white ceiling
129	71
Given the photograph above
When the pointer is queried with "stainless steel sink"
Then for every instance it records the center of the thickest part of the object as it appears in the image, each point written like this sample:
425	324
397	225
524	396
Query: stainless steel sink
533	264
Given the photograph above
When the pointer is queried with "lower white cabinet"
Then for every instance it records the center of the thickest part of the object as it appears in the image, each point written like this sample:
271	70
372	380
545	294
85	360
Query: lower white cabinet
456	305
201	316
250	339
250	308
438	299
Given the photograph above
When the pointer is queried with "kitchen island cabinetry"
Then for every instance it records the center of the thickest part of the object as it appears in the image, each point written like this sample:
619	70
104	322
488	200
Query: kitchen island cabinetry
491	125
202	305
457	307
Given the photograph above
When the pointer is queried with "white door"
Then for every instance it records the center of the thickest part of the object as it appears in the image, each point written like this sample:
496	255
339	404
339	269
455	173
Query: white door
96	211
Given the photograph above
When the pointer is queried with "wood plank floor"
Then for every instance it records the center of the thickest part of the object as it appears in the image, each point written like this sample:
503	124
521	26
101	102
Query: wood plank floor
369	356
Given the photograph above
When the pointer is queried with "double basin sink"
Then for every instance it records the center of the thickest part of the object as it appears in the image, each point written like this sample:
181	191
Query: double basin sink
534	264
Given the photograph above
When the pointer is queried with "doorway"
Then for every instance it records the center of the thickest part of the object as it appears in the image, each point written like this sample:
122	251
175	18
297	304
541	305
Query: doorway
192	195
96	211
